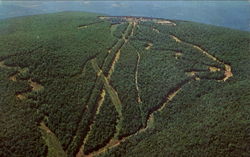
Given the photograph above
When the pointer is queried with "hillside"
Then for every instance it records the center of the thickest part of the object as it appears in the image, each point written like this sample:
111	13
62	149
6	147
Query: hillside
83	84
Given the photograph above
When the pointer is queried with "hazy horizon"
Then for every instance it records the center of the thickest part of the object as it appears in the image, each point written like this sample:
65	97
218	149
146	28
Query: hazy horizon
232	14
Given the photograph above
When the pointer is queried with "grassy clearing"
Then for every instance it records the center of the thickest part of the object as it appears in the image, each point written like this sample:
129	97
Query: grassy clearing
54	147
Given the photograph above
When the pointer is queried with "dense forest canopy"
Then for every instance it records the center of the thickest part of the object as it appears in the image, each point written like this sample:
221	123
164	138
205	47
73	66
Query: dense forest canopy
83	84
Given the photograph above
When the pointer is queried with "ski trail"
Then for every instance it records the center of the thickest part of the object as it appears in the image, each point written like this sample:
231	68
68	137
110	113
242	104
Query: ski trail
99	104
34	85
169	96
136	78
228	69
54	146
111	91
113	94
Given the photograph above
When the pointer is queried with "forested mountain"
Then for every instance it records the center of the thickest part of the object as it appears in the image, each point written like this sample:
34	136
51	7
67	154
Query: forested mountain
82	84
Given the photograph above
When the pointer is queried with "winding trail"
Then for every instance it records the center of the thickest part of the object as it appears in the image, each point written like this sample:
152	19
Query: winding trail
173	92
35	87
228	69
169	96
150	118
137	68
51	139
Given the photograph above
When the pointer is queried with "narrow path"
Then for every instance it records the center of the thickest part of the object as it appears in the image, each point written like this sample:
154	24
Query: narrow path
150	118
112	68
136	78
100	102
173	92
228	69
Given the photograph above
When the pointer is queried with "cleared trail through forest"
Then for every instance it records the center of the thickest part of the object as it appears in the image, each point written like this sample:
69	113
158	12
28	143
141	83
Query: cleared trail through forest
137	68
35	86
108	88
54	146
116	142
228	69
114	94
136	78
111	91
99	104
168	97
